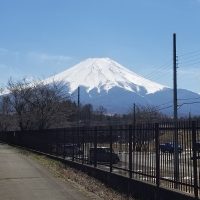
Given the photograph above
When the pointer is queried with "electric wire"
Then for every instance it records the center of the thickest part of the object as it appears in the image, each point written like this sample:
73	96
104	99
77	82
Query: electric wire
189	98
188	103
157	70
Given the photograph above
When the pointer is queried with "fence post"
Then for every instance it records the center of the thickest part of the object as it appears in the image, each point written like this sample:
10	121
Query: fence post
64	148
176	156
130	150
157	142
194	159
83	144
95	147
111	156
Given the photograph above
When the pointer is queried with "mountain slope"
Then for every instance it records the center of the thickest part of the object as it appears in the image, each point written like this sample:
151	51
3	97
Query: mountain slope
104	82
104	74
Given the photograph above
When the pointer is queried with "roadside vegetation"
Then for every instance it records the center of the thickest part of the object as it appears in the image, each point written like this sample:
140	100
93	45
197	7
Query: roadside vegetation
93	187
36	106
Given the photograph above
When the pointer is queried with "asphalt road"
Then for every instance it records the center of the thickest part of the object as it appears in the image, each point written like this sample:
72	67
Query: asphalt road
146	163
24	179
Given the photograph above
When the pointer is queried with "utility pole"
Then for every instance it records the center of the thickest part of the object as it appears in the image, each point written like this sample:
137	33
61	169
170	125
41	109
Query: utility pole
134	115
78	104
176	156
175	77
78	97
134	128
78	117
190	117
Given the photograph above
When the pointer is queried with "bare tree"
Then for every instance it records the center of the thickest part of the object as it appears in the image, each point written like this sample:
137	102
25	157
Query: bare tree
37	105
86	113
18	93
145	114
6	120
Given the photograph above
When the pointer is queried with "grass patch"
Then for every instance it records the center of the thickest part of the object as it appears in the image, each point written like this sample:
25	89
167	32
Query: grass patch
93	187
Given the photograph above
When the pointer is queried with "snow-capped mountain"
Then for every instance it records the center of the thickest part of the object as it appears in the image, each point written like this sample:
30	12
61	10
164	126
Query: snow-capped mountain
104	82
104	74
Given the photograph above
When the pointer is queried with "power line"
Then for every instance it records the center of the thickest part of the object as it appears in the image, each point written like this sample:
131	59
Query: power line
193	63
165	108
157	110
157	74
189	57
189	103
190	53
190	60
169	102
189	98
158	69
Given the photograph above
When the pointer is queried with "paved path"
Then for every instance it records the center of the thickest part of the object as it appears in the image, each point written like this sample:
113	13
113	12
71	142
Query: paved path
24	179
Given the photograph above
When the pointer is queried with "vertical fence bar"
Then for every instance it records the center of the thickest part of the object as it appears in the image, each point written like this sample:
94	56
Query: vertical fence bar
130	150
157	142
111	151
83	145
73	141
56	144
64	145
194	159
133	148
95	147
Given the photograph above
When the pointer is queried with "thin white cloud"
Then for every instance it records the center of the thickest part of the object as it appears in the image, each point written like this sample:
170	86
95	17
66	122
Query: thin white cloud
48	58
38	56
34	57
3	66
18	65
6	52
3	51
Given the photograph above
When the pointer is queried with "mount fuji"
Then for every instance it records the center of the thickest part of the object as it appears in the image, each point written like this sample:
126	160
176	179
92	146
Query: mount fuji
104	82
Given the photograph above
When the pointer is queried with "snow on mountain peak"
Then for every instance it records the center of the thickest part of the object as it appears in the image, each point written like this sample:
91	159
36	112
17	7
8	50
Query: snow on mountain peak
104	74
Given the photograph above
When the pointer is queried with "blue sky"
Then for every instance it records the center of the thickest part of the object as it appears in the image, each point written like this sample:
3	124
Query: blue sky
39	38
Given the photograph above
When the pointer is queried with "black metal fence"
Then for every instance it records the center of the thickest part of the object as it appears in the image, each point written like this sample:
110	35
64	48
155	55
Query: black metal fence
145	152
